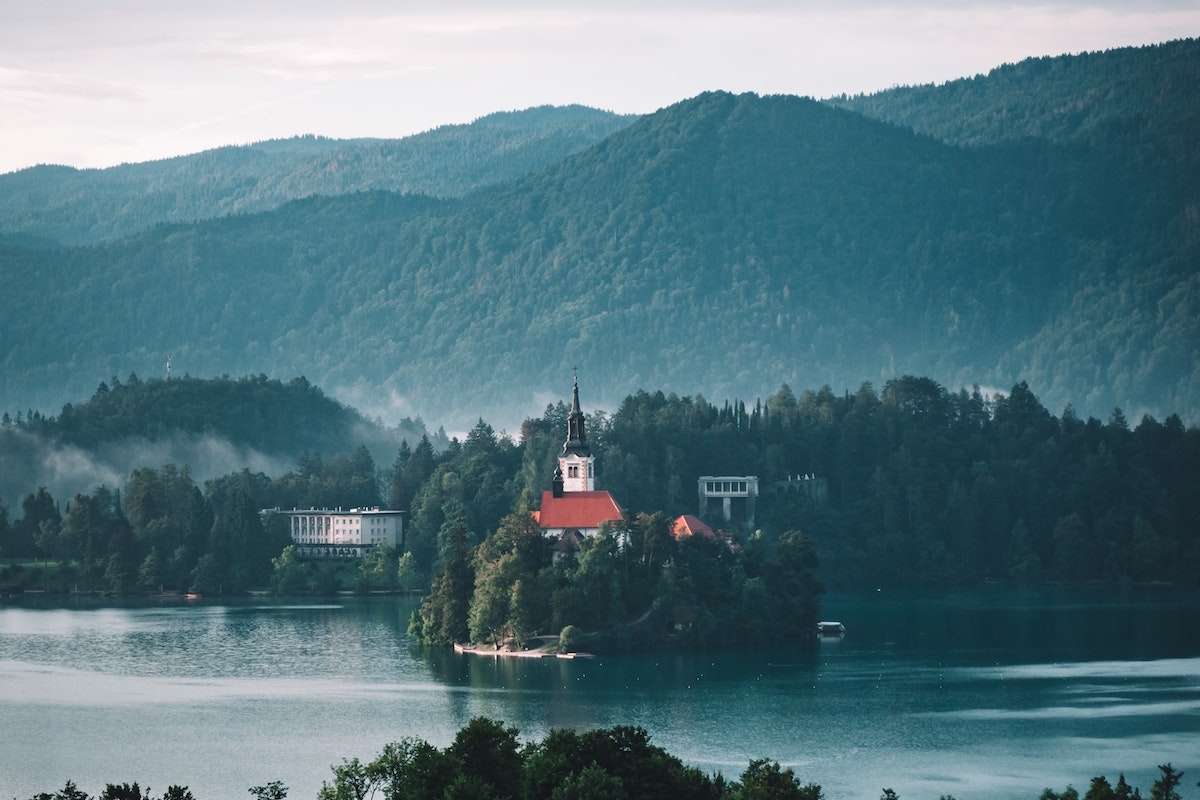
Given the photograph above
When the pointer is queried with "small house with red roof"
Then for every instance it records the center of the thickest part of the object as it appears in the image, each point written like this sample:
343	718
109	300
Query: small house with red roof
574	508
687	525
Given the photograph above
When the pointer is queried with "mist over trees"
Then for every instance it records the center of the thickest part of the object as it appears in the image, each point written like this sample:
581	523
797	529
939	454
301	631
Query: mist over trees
214	425
921	487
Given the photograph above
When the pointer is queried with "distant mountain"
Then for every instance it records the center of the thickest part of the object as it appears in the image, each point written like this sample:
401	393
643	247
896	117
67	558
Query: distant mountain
75	206
722	245
1059	99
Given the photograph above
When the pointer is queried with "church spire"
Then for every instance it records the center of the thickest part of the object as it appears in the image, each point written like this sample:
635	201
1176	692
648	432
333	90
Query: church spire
576	434
576	465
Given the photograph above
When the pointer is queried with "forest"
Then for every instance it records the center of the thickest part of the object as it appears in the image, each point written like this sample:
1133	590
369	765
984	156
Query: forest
49	205
719	244
924	487
487	759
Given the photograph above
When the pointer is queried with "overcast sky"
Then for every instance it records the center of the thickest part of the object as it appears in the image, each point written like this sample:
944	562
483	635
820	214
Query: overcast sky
93	83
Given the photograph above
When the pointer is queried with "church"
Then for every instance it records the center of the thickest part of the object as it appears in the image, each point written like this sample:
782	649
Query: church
573	508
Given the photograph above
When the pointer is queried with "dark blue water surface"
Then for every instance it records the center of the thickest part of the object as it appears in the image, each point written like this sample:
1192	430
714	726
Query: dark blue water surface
984	694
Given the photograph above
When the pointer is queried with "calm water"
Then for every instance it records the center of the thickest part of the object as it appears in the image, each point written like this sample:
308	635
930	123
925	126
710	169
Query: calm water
985	694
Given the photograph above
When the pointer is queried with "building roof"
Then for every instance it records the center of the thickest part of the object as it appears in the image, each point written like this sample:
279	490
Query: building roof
568	542
577	510
687	525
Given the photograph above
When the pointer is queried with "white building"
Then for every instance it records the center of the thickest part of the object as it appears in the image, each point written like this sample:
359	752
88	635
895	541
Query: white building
325	533
725	489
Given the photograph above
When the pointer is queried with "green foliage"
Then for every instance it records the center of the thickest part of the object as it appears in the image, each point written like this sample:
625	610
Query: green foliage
1063	251
289	576
489	753
123	791
486	760
1066	794
77	206
1167	785
766	780
590	783
378	569
1101	789
413	768
442	618
275	790
68	792
1057	98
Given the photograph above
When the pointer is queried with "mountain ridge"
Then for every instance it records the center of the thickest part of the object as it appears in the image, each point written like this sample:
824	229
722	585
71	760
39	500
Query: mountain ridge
84	206
725	244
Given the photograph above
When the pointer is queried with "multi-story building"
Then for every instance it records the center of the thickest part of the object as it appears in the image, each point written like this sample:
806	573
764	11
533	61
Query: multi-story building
325	533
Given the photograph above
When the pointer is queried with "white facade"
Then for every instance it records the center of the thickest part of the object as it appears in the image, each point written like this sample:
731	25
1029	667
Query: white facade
578	472
726	489
325	533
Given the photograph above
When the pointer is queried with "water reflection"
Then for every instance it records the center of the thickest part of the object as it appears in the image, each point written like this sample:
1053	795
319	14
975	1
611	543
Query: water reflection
987	694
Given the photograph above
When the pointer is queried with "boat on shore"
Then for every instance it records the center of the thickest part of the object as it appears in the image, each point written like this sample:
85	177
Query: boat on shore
831	629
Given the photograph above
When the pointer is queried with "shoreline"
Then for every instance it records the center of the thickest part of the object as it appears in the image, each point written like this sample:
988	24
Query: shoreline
547	647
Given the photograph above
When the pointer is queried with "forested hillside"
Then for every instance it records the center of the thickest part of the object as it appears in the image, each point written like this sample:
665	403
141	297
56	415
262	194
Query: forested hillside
921	486
72	206
723	244
212	426
1058	99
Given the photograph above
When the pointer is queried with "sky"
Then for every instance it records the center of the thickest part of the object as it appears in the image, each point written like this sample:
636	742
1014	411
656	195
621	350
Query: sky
94	83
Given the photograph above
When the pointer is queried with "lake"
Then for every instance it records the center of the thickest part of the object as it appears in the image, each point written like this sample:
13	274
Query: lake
982	694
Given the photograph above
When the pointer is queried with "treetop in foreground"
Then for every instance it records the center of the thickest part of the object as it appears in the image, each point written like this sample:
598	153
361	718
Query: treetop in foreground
487	761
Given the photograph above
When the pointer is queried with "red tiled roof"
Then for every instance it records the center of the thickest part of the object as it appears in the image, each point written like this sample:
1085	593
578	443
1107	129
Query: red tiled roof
577	510
687	525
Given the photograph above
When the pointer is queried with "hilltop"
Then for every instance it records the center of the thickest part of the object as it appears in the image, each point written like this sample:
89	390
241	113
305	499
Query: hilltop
725	243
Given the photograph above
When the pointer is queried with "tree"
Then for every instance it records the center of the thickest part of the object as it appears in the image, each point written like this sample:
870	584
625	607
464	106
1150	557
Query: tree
442	617
41	517
399	491
488	617
5	532
590	783
69	792
1069	793
1165	788
765	780
412	768
206	577
377	569
364	483
289	575
1101	789
490	752
352	780
408	577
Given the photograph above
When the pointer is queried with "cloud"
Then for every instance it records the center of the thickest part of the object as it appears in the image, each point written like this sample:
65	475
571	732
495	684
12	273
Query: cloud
97	84
31	85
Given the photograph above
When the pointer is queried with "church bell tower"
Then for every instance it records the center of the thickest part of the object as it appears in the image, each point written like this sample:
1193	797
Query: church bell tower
576	464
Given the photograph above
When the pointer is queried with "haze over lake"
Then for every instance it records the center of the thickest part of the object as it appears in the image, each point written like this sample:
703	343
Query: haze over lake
981	694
